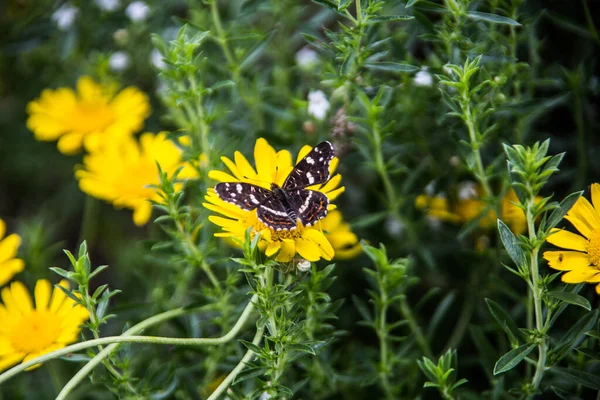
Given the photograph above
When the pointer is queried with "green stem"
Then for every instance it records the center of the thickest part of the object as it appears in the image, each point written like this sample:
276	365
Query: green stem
382	171
221	36
415	328
590	22
239	367
127	337
475	145
89	222
537	294
383	343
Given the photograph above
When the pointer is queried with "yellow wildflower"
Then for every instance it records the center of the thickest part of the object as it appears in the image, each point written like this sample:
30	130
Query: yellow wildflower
344	242
92	116
468	209
271	167
582	257
27	332
123	172
9	265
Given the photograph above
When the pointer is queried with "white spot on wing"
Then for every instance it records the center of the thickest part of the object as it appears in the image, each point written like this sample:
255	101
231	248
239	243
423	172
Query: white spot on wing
238	187
310	160
311	179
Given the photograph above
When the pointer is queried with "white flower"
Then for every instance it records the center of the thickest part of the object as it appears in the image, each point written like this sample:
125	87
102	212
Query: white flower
423	78
306	58
304	265
394	226
108	5
467	190
119	61
65	16
137	11
317	104
157	59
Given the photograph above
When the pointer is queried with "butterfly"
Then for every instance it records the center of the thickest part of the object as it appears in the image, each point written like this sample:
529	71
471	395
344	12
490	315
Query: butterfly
280	207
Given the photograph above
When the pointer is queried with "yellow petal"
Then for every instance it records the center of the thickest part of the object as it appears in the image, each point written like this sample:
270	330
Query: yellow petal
581	216
142	213
2	228
9	246
287	252
320	240
283	167
246	170
567	260
10	360
308	249
58	297
221	176
265	159
42	293
10	268
331	184
335	194
567	240
303	152
239	176
21	297
70	143
272	248
595	197
5	346
579	275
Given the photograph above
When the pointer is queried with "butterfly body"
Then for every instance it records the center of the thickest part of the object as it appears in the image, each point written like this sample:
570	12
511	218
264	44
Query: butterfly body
281	207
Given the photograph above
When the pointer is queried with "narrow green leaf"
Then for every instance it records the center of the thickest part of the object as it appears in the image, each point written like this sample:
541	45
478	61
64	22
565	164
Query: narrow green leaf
392	66
388	18
410	3
513	358
571	298
575	334
562	210
344	4
505	321
347	63
327	3
362	308
511	244
579	377
493	18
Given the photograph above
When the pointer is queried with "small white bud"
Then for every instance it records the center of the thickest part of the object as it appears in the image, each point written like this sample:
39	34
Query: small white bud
137	11
119	61
108	5
423	78
157	59
318	105
467	190
307	58
394	226
304	265
65	16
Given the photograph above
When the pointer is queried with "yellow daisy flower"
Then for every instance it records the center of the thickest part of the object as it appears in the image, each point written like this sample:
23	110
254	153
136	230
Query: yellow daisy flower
9	265
582	257
271	167
88	116
344	242
27	332
465	210
123	172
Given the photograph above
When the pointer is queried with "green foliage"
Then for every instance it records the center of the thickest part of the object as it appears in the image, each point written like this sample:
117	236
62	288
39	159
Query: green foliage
420	98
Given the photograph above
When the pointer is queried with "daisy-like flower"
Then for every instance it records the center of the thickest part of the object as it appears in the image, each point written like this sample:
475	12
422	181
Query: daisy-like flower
345	243
96	114
27	332
310	243
468	208
123	173
9	265
582	255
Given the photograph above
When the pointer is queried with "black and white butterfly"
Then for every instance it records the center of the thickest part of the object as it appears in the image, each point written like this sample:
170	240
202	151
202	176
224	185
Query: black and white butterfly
280	207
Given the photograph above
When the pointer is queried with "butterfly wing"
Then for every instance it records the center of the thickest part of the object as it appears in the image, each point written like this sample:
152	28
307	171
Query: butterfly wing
244	195
275	215
313	169
310	205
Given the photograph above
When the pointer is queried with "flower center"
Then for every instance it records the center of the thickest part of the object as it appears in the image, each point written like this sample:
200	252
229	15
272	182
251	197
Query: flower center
280	235
92	117
593	249
35	332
